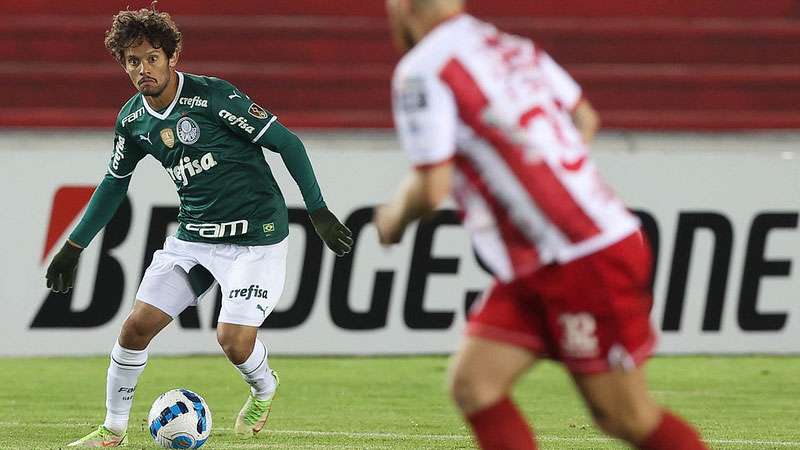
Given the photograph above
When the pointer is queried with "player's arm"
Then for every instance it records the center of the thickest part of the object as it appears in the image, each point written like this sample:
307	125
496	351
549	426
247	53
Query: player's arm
586	120
250	121
421	193
281	140
570	96
102	207
425	118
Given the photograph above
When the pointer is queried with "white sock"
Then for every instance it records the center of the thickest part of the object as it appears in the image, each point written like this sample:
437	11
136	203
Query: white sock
255	371
123	372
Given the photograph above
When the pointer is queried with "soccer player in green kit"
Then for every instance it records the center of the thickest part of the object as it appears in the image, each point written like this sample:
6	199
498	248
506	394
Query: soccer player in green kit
233	223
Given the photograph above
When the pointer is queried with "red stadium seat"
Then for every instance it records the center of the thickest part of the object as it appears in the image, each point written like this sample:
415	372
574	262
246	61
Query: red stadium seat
663	64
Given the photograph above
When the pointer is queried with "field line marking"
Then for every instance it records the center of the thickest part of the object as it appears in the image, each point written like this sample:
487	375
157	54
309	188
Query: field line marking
432	437
356	434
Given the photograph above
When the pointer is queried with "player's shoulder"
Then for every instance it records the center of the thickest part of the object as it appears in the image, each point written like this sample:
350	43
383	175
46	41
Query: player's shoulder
132	110
209	84
442	44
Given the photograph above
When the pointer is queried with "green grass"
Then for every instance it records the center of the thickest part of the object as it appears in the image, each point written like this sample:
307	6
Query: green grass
386	403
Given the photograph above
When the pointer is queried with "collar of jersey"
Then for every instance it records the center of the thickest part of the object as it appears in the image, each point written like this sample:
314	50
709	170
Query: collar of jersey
166	112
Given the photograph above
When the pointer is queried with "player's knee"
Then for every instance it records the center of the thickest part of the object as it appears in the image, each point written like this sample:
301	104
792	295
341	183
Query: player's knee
604	420
235	348
136	333
628	424
474	391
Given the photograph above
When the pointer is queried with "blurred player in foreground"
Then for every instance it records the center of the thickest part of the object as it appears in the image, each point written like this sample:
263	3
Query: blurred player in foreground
233	221
493	117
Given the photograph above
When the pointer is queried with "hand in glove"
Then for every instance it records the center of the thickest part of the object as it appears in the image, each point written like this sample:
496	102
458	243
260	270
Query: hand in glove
337	237
61	272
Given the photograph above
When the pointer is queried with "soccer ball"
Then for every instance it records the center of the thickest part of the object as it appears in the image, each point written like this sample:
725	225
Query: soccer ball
180	419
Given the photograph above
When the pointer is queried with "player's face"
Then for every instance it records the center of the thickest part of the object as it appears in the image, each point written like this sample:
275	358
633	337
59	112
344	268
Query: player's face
149	68
399	16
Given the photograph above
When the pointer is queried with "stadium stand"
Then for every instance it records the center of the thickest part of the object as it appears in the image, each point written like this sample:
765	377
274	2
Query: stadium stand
661	64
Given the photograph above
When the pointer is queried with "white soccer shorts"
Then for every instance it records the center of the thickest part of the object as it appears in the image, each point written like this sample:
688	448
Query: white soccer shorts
251	278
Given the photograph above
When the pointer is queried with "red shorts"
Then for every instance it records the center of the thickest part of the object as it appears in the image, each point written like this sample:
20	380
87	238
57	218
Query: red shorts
592	314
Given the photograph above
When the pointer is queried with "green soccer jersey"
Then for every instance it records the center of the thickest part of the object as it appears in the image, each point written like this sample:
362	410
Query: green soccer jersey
209	142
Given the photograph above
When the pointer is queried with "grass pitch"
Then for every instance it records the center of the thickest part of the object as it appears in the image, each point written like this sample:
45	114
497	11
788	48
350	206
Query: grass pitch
393	403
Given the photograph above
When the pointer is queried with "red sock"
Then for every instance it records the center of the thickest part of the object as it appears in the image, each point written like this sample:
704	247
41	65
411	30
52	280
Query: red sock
501	427
673	434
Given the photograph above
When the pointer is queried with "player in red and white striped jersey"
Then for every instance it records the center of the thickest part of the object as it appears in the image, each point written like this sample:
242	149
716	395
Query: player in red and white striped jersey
492	119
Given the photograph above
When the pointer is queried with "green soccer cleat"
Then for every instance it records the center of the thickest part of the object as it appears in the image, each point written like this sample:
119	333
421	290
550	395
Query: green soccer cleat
255	412
101	437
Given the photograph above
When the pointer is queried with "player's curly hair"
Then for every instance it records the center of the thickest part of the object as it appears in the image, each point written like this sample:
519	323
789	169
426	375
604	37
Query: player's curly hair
131	28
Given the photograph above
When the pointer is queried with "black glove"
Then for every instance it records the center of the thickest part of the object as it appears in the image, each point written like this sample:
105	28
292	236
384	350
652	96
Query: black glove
61	272
337	237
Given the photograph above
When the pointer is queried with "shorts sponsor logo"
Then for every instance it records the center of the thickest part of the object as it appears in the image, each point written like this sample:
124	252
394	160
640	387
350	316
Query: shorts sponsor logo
168	137
188	167
219	230
194	101
254	291
236	121
618	356
188	130
132	116
257	111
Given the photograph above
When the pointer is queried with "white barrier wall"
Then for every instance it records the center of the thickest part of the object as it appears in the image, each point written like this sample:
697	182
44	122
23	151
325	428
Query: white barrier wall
721	211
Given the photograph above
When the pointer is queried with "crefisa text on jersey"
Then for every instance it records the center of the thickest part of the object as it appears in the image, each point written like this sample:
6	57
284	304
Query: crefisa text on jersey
194	101
235	120
191	167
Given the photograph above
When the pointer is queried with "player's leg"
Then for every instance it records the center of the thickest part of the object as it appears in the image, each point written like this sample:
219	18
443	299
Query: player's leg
250	356
128	360
622	407
251	279
245	351
482	375
598	315
501	344
164	293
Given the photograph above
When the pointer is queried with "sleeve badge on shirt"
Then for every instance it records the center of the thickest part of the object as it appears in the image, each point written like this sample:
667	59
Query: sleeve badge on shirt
412	95
257	111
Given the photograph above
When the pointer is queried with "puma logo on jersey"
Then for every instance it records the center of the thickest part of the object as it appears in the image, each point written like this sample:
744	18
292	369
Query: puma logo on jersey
189	168
261	308
237	121
234	95
143	137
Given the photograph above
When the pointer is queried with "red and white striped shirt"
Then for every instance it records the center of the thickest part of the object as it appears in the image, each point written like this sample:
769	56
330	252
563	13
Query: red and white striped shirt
499	108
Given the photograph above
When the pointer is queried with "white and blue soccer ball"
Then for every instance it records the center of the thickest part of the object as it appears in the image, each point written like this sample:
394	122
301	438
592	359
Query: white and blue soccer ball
180	418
